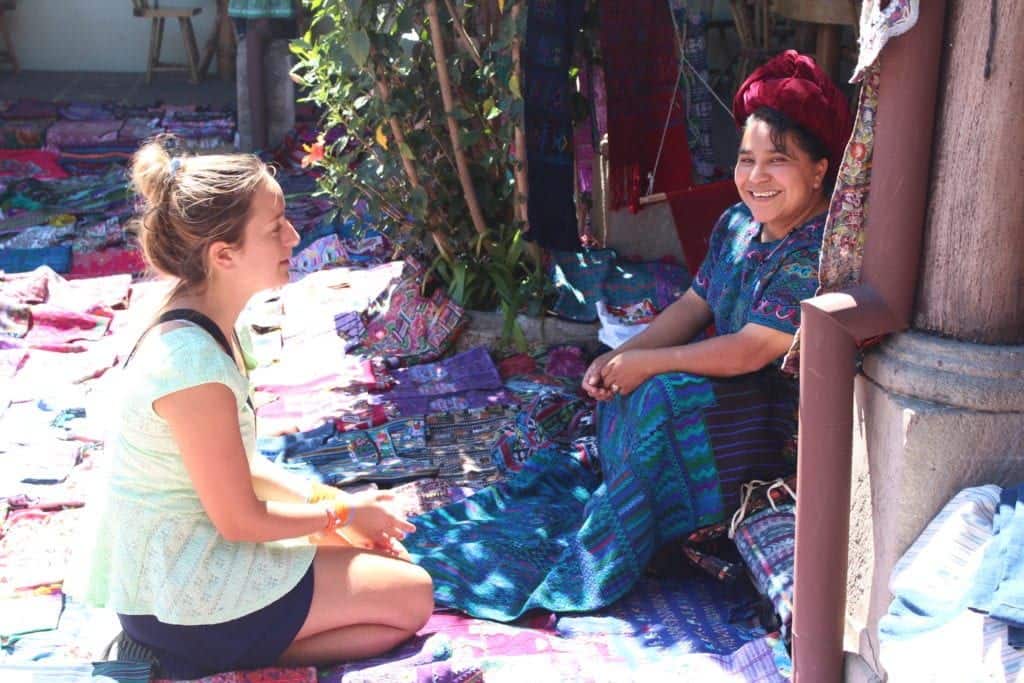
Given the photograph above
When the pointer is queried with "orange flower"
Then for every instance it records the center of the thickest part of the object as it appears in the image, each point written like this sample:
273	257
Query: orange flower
314	152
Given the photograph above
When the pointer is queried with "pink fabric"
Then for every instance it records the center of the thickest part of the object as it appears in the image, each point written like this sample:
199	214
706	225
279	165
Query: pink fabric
306	674
11	360
55	326
107	262
30	163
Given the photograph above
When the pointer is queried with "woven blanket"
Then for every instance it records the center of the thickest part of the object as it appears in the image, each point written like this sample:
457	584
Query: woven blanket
555	536
668	617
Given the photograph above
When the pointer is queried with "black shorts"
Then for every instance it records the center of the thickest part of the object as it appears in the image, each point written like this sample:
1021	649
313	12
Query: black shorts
253	641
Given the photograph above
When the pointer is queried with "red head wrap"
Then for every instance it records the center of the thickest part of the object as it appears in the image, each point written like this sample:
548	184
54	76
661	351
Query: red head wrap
793	84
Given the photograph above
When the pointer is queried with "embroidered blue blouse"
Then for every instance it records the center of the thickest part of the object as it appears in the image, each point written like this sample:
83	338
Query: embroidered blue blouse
745	280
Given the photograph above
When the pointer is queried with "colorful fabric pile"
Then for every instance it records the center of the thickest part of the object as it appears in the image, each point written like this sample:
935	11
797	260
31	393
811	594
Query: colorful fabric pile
355	384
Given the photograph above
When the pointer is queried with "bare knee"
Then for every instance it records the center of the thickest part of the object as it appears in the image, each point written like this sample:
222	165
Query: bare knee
422	603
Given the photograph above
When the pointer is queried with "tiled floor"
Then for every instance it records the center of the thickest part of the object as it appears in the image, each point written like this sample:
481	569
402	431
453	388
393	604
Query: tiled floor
127	88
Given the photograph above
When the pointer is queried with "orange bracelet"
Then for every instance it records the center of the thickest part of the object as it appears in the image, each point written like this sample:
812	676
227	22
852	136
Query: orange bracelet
337	515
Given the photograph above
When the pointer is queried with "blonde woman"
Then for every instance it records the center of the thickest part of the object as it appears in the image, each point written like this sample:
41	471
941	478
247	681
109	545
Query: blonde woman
201	545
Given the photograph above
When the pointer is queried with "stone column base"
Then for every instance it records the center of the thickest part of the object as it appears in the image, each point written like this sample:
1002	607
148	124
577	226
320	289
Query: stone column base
932	416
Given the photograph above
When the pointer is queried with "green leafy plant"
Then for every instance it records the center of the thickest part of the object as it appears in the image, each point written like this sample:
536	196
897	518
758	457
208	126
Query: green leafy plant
428	95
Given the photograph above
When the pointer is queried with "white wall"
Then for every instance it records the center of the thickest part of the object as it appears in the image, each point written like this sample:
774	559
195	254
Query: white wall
97	35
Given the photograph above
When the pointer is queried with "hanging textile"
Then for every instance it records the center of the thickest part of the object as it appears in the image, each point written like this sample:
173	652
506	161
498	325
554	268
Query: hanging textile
695	212
692	24
551	26
641	72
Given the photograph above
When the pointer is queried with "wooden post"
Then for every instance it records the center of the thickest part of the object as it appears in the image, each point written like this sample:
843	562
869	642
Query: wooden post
972	284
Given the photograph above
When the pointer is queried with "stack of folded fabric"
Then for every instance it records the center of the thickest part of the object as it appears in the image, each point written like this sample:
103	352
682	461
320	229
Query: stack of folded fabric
23	123
202	130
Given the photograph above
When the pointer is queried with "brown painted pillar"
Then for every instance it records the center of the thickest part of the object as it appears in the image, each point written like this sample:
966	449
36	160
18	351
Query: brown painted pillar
972	280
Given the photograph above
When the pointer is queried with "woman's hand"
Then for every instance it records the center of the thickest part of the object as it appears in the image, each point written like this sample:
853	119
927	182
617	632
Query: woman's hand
372	522
626	371
592	381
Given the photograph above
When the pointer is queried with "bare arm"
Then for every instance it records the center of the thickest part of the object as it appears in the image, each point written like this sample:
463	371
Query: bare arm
677	324
728	355
204	422
271	482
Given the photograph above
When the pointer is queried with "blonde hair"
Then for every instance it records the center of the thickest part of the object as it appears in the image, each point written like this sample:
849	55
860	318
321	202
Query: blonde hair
188	203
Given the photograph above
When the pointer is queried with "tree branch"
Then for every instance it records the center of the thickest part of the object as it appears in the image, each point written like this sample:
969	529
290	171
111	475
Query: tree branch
471	47
465	178
519	139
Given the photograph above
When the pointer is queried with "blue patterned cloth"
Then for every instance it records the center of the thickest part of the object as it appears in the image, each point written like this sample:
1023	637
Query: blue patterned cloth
560	536
556	536
583	278
745	280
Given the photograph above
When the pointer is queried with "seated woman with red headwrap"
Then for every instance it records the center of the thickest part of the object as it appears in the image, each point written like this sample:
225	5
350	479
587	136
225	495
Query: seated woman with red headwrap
762	261
682	421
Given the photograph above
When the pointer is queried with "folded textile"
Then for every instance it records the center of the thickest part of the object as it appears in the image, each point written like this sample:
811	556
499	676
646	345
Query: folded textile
27	108
23	133
52	326
35	546
85	111
104	262
424	495
30	611
614	331
999	583
928	633
582	279
933	580
15	318
389	453
766	542
24	260
324	252
272	675
39	164
83	133
39	461
412	328
467	444
467	380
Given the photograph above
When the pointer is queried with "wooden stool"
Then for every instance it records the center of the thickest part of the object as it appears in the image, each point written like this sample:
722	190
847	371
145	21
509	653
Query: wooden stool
7	55
147	9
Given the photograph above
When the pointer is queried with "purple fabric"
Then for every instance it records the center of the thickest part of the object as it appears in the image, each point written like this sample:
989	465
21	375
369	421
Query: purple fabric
83	133
467	380
30	109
